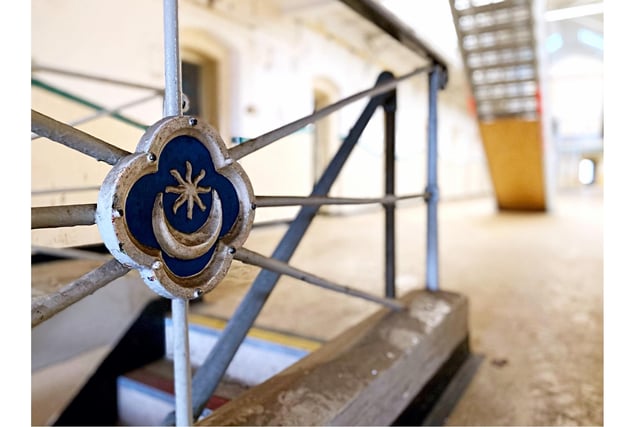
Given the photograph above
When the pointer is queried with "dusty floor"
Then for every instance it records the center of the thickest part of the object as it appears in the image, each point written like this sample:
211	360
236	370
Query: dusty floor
534	282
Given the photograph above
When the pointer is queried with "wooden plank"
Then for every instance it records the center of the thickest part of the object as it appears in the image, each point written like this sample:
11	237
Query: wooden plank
366	376
514	150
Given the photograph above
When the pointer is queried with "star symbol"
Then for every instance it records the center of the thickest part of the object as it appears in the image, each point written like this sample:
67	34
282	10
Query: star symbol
188	190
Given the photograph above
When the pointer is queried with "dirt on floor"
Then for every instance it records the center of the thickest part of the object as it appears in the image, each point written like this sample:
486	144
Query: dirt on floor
534	282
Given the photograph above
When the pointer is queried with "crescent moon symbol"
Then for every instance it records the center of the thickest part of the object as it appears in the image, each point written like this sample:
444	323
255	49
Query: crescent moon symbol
187	246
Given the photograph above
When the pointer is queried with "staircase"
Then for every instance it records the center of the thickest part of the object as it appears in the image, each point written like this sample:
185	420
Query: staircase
498	44
130	382
145	395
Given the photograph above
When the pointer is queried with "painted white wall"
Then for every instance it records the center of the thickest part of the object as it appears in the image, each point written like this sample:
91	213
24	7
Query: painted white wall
269	61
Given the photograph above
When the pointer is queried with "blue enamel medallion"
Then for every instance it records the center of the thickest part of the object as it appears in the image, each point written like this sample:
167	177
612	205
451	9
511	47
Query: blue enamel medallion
187	179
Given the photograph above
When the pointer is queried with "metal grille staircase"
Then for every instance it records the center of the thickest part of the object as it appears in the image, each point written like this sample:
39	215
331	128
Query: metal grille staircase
498	46
497	41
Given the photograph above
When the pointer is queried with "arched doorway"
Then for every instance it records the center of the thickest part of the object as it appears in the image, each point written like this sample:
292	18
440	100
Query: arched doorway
325	131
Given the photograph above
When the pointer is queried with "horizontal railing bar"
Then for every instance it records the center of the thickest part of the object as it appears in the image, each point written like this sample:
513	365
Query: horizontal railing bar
112	112
63	216
262	141
75	98
279	201
69	253
249	257
75	139
64	190
102	79
47	306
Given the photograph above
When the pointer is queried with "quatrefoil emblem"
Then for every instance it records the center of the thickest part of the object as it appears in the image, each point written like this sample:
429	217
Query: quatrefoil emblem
177	208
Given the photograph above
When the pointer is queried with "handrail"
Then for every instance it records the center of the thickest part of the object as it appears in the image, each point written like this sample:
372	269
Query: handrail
76	139
381	95
386	21
67	95
262	141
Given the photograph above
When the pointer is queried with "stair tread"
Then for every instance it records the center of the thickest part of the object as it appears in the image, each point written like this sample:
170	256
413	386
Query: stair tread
159	375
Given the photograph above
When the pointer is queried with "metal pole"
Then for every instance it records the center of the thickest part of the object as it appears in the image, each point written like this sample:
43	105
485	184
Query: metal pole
45	307
47	69
390	189
211	371
181	361
279	201
172	66
75	139
84	102
261	141
179	307
63	216
113	111
249	257
64	190
435	82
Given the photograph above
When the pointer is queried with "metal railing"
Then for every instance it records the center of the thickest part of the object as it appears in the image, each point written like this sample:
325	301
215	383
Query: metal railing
193	393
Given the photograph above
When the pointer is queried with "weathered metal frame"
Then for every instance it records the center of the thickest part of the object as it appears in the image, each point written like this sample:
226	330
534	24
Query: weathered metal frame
383	95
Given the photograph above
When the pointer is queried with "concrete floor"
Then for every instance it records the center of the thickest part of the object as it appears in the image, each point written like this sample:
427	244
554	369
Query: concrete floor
534	281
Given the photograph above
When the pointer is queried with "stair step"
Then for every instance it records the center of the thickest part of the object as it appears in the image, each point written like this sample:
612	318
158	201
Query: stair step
262	354
489	7
519	22
146	395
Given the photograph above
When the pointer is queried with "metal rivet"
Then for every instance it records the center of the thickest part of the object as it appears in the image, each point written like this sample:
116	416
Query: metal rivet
253	206
198	292
193	121
156	265
232	250
151	157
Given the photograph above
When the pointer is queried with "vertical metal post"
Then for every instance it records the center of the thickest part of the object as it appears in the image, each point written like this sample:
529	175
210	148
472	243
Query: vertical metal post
179	307
172	66
390	188
181	361
433	274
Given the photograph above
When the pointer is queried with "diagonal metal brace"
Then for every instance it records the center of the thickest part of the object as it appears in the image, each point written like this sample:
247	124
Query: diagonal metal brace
215	365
